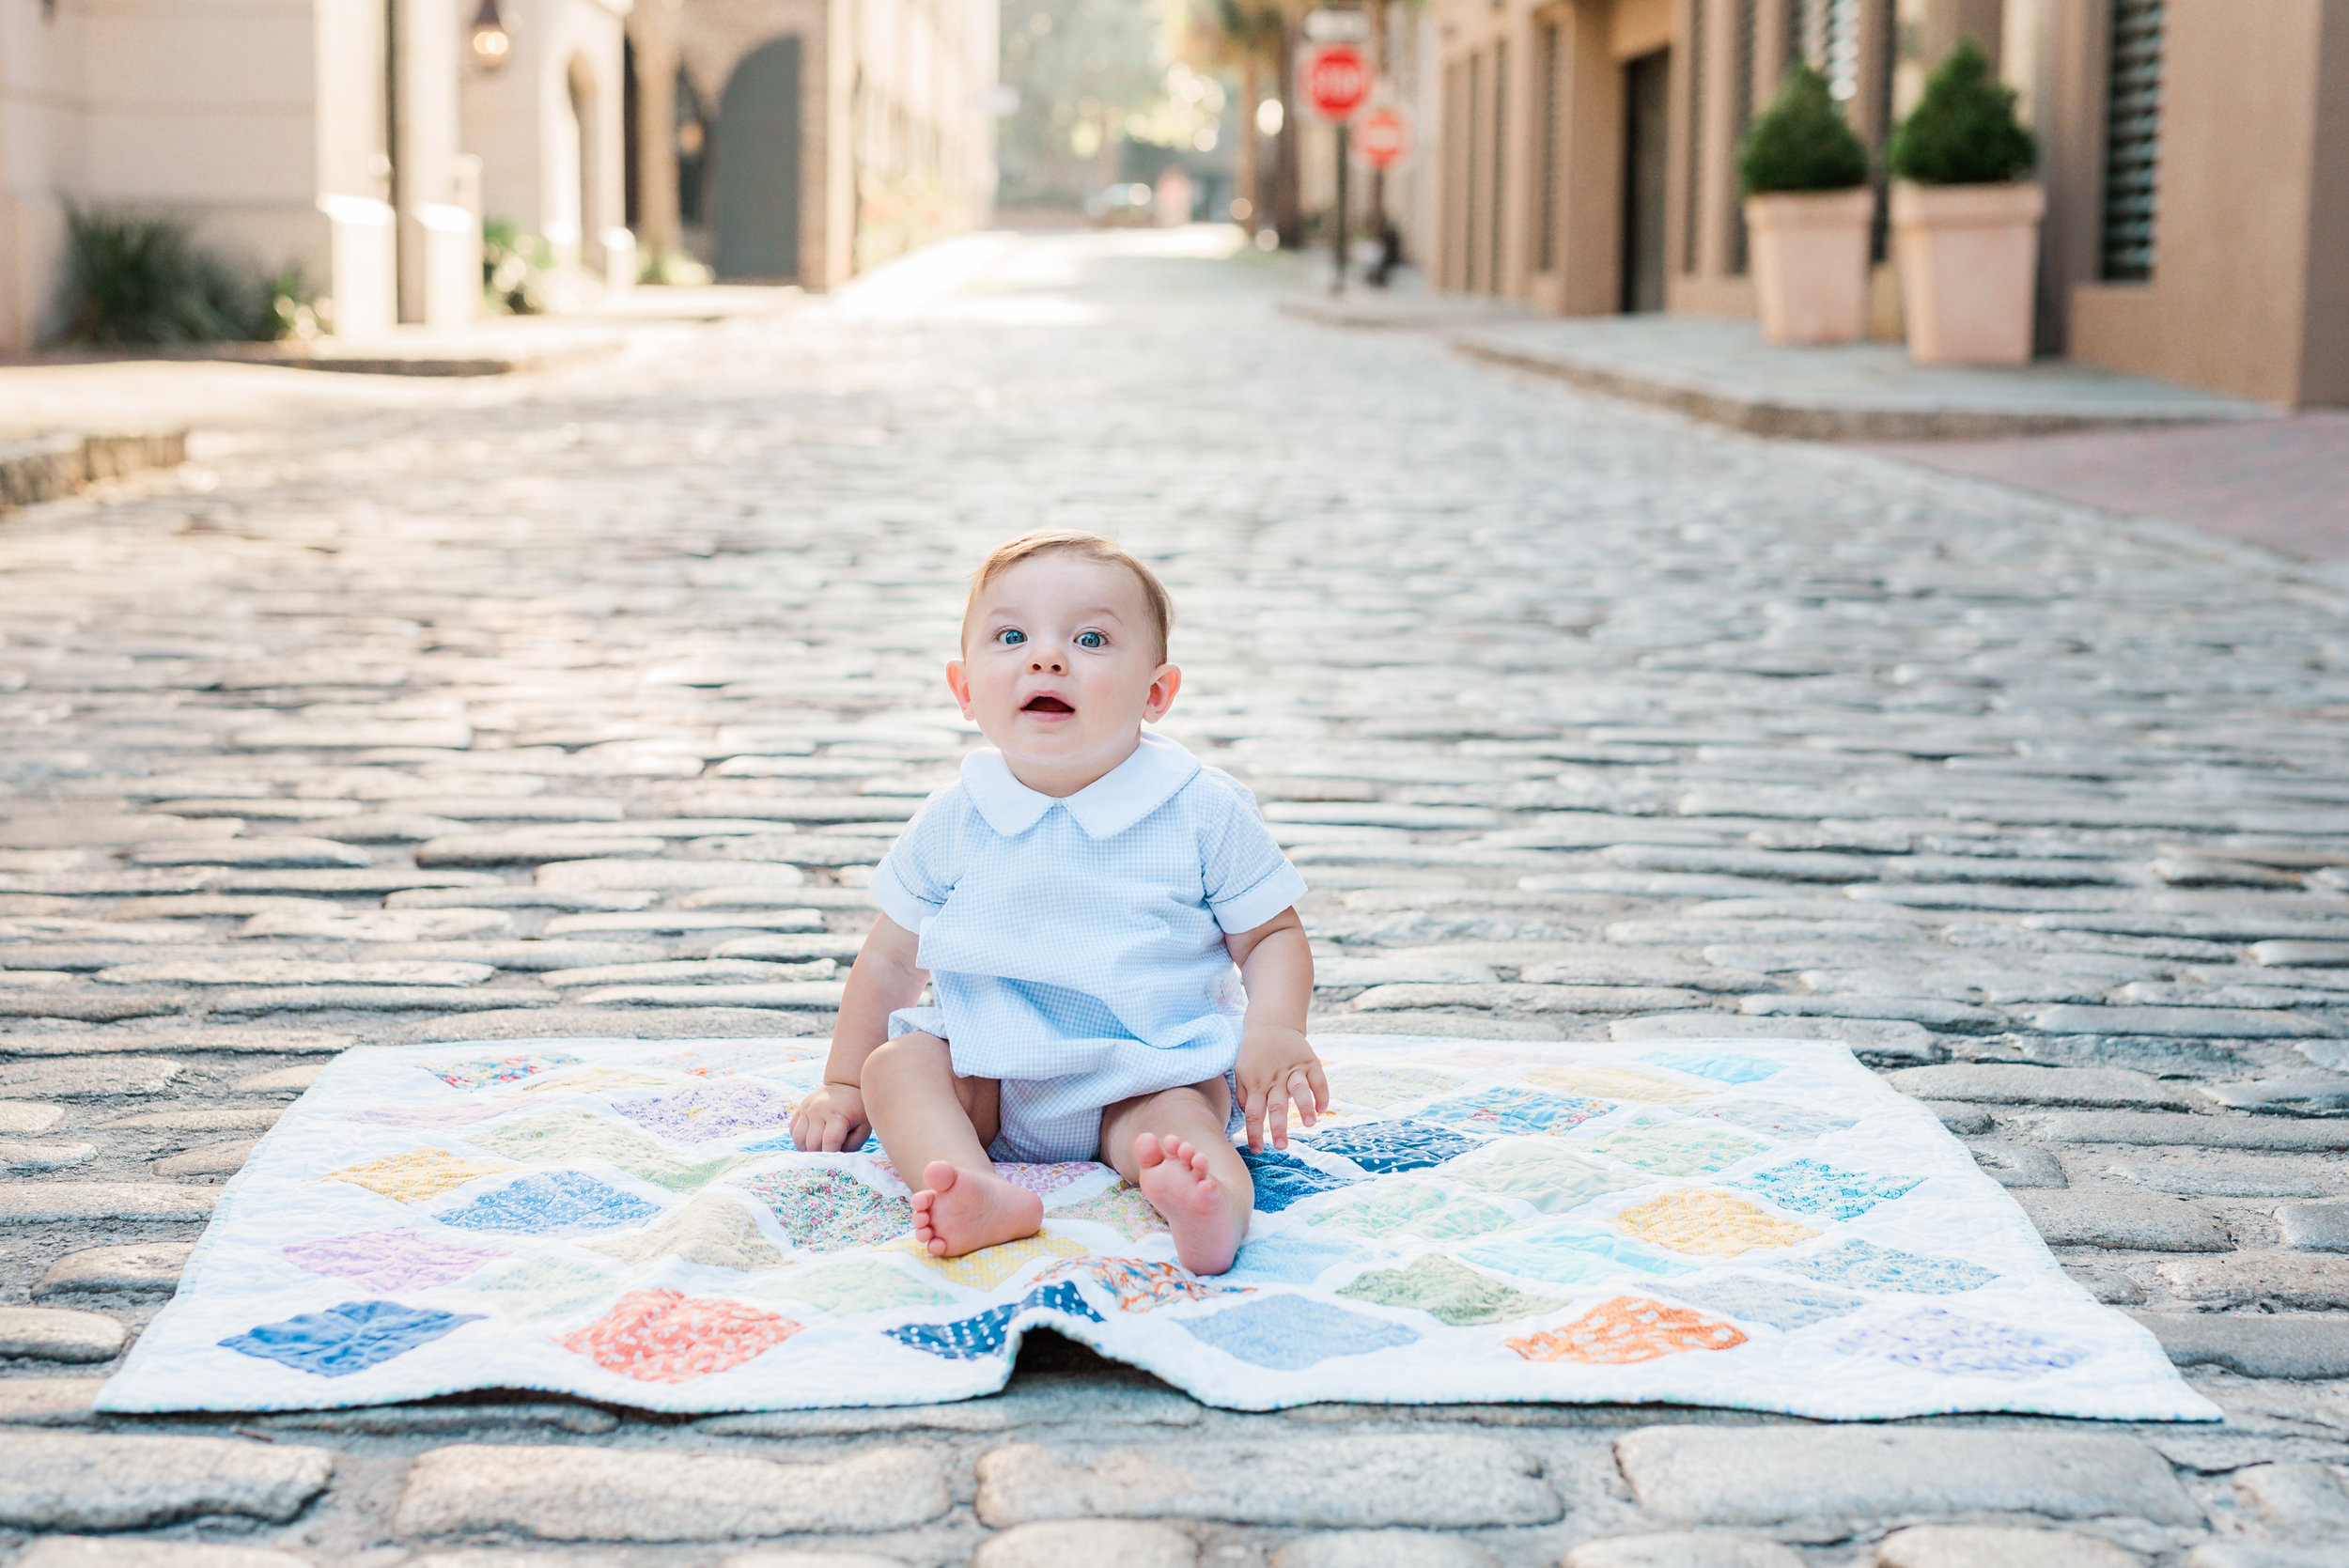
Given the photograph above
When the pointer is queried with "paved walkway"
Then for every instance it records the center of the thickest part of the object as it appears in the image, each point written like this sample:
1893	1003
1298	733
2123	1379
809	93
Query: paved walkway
1670	729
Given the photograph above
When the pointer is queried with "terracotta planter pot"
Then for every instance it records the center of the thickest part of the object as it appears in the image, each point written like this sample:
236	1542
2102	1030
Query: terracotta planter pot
1811	264
1968	258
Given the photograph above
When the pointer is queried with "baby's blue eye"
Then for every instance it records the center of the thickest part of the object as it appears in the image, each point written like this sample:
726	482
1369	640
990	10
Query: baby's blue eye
1092	640
1011	637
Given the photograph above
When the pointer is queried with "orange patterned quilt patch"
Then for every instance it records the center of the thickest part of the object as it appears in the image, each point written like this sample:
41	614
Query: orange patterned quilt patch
664	1336
1627	1329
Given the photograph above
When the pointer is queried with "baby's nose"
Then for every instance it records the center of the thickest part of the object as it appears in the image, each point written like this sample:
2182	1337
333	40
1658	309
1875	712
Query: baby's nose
1048	664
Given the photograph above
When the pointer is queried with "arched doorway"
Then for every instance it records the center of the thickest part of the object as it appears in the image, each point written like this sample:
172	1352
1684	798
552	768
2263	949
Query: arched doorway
758	165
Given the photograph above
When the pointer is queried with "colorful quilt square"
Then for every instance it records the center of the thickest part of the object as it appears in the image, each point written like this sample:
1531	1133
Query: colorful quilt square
1782	1304
712	1231
483	1072
549	1285
549	1202
1552	1178
390	1259
1864	1265
823	1208
1674	1149
990	1267
1813	1186
1373	1088
1711	1224
416	1175
986	1333
860	1285
1415	1208
1285	1332
1514	1108
1281	1180
1288	1259
1616	1083
1140	1285
1448	1291
347	1339
1571	1254
1958	1346
1726	1067
1384	1147
1628	1330
1122	1208
569	1136
1787	1123
1044	1180
666	1336
725	1109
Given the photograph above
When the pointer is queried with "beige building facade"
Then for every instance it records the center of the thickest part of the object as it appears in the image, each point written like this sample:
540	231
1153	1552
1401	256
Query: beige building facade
801	141
2196	155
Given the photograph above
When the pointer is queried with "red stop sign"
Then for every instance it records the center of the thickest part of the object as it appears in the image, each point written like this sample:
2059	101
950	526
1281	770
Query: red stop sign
1380	138
1337	79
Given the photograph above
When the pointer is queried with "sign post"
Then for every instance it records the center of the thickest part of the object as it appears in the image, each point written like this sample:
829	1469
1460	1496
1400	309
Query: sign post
1381	141
1337	79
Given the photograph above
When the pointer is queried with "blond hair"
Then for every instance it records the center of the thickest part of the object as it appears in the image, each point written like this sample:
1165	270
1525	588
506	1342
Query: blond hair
1088	546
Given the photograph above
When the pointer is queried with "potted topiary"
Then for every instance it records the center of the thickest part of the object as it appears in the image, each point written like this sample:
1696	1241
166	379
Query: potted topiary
1965	221
1807	211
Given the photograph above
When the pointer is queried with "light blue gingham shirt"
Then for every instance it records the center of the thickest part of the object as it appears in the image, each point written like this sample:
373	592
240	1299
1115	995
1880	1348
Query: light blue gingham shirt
1075	944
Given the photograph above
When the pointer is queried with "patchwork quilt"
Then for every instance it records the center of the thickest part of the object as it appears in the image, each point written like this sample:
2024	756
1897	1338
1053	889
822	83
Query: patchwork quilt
1757	1224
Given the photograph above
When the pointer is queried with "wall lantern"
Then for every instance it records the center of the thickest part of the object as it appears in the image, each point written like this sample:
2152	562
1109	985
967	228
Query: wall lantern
492	42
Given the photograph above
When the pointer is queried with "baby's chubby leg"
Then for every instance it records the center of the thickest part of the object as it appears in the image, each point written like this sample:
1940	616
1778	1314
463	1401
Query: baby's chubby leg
1172	1145
939	1124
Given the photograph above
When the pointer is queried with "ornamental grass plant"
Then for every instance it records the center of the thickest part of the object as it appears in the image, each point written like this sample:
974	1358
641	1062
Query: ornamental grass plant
138	279
1964	130
1801	142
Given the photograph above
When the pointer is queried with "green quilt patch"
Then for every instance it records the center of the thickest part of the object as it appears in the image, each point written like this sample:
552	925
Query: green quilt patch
1448	1292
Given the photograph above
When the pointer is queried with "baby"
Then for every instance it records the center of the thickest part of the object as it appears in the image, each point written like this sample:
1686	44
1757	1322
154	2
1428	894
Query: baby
1078	901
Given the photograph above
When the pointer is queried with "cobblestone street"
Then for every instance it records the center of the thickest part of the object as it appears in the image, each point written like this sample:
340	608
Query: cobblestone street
579	705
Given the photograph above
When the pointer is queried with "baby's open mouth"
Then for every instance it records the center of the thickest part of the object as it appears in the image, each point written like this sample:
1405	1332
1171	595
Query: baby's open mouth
1046	704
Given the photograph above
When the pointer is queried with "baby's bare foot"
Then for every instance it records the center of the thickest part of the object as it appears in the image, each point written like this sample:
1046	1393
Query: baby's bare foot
1175	1179
961	1211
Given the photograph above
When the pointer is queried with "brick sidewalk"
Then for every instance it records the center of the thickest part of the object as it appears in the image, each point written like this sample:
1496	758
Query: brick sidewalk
2280	483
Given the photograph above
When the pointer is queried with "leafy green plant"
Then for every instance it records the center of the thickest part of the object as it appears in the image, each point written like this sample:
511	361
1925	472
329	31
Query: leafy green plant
1801	142
135	278
1964	130
514	265
293	305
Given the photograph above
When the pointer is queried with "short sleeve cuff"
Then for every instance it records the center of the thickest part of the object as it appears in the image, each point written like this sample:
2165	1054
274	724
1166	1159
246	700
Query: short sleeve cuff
897	901
1245	911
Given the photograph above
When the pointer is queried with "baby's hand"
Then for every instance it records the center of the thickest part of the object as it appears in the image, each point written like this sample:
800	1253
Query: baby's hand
831	1119
1276	1066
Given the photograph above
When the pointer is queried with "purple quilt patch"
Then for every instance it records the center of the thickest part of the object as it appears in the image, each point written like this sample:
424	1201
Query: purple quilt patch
390	1259
726	1108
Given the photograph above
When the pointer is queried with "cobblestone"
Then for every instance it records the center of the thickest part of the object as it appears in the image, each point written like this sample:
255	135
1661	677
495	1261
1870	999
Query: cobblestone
1084	1542
57	1481
55	1334
1584	723
88	1551
1352	1482
572	1494
1819	1484
1991	1546
1377	1548
1681	1550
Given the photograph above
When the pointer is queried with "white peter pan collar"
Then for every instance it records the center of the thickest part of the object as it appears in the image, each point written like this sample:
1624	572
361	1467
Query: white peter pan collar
1104	808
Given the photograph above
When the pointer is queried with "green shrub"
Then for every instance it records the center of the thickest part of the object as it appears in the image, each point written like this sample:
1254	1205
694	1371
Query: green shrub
1800	143
1964	130
513	269
133	278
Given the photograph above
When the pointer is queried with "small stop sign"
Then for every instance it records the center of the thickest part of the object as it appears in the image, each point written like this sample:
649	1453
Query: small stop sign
1337	79
1381	138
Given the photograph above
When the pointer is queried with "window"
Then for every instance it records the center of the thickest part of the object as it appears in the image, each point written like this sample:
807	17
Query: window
2132	140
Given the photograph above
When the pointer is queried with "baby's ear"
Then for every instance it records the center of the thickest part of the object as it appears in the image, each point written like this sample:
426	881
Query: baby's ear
1164	683
958	682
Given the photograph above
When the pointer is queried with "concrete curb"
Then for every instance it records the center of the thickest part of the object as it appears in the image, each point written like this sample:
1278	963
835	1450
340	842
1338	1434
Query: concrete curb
47	468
